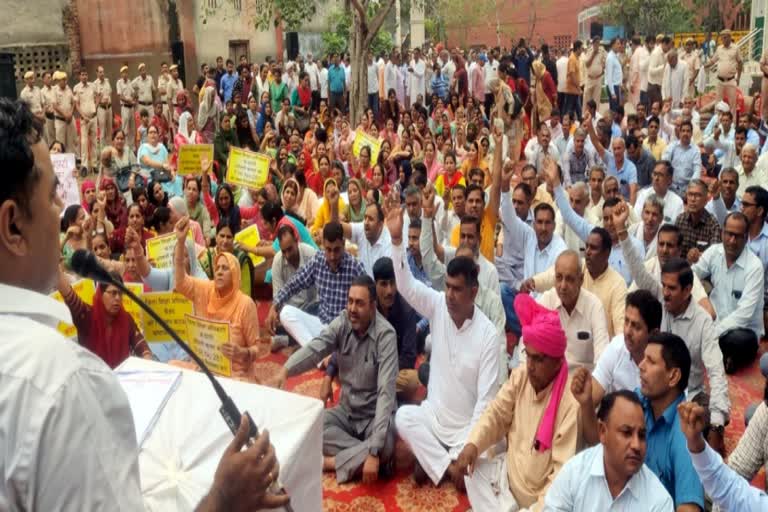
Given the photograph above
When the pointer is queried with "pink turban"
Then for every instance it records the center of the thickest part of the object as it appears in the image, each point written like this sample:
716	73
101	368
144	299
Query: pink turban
542	331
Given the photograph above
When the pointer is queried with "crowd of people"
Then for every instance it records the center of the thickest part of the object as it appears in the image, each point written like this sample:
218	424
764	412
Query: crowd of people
549	241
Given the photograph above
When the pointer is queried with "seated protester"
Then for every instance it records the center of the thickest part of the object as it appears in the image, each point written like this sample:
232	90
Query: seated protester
226	208
225	139
274	218
540	147
578	195
140	195
641	158
599	279
612	474
755	208
225	238
105	328
323	216
153	157
616	161
195	207
685	159
750	454
450	179
393	308
581	313
609	188
583	227
178	207
416	262
115	207
727	489
530	176
664	374
661	179
358	434
647	230
118	162
520	477
331	273
464	363
654	142
135	222
306	201
131	269
722	191
737	277
510	263
221	300
186	133
160	122
646	274
700	229
578	159
355	210
488	213
618	366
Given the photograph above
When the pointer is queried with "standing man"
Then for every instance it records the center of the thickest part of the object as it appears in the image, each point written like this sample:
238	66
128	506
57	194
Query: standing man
47	93
163	92
595	66
336	85
634	80
32	95
729	69
373	86
227	84
127	96
675	81
570	105
174	86
614	76
64	112
104	109
656	68
417	70
692	60
144	86
314	80
489	73
85	103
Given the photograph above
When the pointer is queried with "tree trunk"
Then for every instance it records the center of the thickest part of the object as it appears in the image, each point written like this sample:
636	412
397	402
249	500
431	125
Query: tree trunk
358	50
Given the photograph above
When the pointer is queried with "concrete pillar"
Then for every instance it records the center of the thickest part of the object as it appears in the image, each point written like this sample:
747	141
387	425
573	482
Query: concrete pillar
398	28
417	25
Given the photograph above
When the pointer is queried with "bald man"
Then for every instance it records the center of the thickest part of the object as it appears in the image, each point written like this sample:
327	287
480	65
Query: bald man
581	313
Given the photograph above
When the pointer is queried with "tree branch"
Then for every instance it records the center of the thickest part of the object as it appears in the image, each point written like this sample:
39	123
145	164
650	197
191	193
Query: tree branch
360	11
378	21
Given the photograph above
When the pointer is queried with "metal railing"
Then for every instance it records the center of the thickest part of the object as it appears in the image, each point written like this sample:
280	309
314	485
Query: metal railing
749	49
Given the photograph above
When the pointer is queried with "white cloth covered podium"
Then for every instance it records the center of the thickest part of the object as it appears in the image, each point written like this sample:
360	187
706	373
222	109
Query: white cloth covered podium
179	456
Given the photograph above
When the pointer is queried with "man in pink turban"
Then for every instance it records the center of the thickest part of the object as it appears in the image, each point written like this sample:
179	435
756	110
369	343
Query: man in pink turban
539	419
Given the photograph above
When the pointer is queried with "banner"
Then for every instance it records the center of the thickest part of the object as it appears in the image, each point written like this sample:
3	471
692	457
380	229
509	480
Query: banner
171	307
247	169
131	307
67	189
160	249
363	139
85	289
206	338
189	158
250	236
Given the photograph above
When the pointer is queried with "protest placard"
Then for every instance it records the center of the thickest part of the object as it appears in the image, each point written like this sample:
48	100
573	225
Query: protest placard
206	338
64	167
247	168
171	307
189	158
250	236
85	289
130	306
160	249
363	139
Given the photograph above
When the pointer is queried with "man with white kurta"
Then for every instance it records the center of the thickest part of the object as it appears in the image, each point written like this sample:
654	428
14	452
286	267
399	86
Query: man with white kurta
675	80
417	70
534	412
464	365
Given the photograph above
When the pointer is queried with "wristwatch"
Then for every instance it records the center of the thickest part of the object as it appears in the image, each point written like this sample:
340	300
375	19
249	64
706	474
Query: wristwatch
373	452
719	429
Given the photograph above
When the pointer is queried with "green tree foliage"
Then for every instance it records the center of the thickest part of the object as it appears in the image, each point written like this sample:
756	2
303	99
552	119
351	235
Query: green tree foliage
649	16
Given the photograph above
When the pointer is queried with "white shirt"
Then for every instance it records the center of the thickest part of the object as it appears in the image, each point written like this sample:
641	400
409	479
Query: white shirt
418	82
581	485
390	77
562	73
613	71
367	253
673	205
314	75
67	431
373	78
615	369
489	72
448	70
464	365
585	327
487	276
644	59
656	62
324	83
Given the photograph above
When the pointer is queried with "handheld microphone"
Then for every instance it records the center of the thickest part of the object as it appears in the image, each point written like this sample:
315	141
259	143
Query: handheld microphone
85	264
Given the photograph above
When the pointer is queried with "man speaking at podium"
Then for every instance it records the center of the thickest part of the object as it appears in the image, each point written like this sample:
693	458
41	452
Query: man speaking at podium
67	435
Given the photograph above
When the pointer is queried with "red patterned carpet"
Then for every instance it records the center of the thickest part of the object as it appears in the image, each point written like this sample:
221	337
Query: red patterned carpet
400	493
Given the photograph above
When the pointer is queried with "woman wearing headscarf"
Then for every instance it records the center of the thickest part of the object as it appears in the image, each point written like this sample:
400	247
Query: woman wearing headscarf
307	202
182	105
355	211
544	95
221	300
115	208
87	195
536	413
135	222
195	207
323	216
209	109
504	108
186	134
225	242
225	139
105	328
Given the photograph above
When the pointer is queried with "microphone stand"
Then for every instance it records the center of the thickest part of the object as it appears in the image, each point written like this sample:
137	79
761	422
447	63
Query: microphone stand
228	410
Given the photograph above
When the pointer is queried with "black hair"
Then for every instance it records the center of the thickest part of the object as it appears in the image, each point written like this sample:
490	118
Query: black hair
471	219
19	131
611	202
383	269
465	267
631	141
476	171
161	215
648	306
671	228
675	353
680	267
526	190
738	216
225	223
415	224
609	400
605	238
472	188
286	230
70	214
333	231
761	197
272	212
460	187
379	211
419	179
544	207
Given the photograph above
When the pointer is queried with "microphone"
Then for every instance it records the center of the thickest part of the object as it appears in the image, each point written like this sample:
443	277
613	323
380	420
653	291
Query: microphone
85	264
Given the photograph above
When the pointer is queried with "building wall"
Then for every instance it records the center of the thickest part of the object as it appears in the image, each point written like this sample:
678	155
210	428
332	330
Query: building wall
32	22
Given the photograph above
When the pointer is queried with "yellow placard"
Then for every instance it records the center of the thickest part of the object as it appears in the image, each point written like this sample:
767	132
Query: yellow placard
171	307
363	139
206	339
189	158
85	289
160	249
131	307
250	236
247	168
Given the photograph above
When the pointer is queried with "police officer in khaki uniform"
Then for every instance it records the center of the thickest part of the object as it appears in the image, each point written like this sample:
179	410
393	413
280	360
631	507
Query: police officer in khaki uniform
594	63
47	94
104	108
728	70
163	82
174	87
127	96
64	113
145	89
85	102
690	57
32	95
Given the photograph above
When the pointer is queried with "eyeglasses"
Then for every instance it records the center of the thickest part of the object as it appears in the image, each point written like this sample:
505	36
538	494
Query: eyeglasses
747	204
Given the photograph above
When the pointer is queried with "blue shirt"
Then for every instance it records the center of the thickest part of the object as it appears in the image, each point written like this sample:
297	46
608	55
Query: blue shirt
627	175
421	275
613	73
727	488
227	85
686	162
667	454
440	87
336	79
